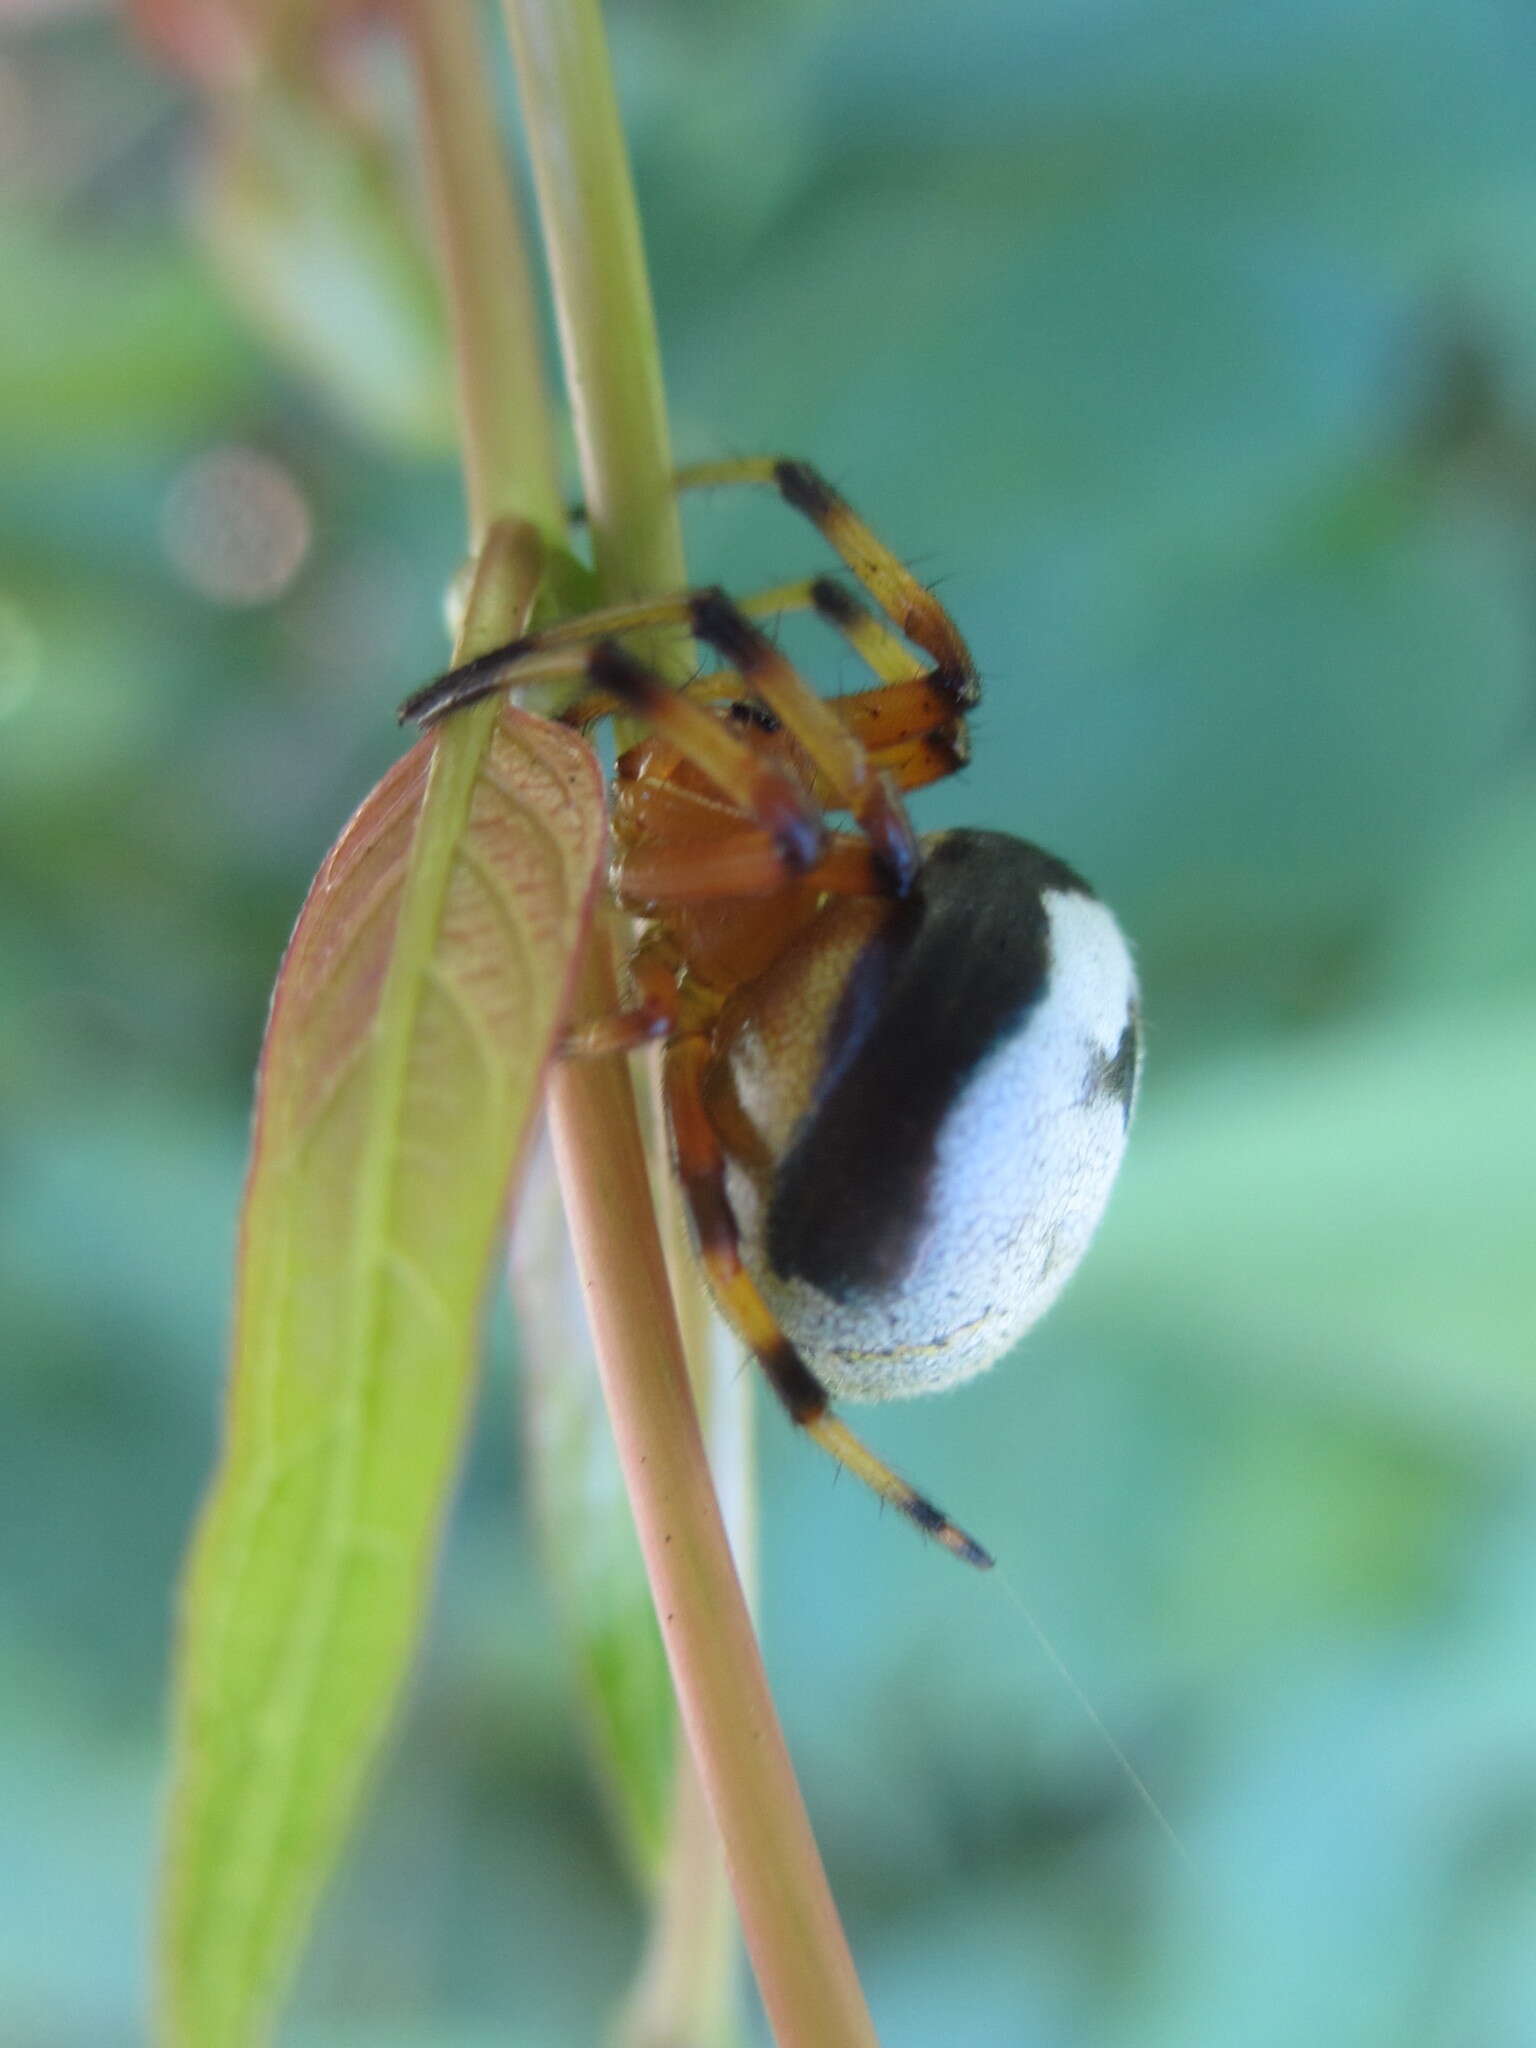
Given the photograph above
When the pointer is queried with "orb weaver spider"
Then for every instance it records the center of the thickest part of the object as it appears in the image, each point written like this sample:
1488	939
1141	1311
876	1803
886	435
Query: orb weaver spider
898	1072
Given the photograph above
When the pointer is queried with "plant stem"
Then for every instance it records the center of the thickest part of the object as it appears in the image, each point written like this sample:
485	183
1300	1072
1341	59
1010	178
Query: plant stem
504	411
801	1959
608	337
602	298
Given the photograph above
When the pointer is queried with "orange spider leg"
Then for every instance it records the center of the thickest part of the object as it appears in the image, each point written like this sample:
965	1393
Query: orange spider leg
907	602
701	1168
871	639
770	795
908	731
876	645
739	862
742	863
653	970
894	713
834	752
520	661
908	724
916	764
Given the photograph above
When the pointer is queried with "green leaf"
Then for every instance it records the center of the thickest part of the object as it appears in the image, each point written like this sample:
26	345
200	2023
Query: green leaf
412	1020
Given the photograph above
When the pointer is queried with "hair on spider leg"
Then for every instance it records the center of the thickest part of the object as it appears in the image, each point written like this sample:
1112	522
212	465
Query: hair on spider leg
940	579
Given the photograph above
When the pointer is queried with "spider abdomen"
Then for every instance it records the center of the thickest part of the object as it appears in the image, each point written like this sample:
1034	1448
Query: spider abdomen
924	1105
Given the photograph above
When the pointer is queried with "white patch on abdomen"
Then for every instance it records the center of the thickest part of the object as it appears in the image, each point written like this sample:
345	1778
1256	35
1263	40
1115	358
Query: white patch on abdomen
1025	1161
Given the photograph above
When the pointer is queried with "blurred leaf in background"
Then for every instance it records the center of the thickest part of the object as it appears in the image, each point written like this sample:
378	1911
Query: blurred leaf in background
1193	351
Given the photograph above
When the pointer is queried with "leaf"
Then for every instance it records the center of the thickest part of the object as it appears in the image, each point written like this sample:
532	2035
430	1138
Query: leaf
412	1019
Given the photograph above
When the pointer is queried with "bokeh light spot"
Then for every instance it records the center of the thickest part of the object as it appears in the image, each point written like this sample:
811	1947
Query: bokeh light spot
236	526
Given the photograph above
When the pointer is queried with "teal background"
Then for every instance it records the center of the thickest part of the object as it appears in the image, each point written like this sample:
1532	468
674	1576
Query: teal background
1192	350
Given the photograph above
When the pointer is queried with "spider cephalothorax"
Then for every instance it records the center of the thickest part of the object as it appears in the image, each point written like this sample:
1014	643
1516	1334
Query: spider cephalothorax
898	1072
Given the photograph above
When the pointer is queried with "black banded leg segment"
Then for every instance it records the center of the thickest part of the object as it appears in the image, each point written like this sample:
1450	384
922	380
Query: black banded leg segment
909	724
907	602
837	756
500	668
875	644
912	700
771	797
701	1169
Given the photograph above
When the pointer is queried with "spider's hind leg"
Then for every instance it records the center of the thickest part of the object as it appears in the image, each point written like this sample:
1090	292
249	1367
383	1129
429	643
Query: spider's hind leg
701	1168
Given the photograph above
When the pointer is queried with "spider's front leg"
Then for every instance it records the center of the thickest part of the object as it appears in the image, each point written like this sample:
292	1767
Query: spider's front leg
853	783
767	792
774	800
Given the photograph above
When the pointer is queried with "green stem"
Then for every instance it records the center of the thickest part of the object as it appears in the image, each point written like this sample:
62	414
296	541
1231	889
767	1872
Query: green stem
608	337
504	409
602	298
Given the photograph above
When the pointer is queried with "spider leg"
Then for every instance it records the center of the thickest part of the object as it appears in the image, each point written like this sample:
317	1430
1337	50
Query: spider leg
567	649
772	798
836	755
741	863
917	763
908	724
653	970
500	667
895	713
908	729
882	650
701	1168
906	601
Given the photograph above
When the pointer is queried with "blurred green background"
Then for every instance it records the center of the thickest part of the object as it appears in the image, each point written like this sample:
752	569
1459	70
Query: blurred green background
1192	349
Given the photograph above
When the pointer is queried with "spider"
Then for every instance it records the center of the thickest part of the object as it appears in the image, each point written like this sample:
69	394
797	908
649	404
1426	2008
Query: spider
898	1071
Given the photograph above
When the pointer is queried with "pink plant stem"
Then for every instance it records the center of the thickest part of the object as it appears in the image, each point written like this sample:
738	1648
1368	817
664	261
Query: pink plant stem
799	1954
